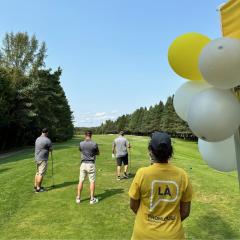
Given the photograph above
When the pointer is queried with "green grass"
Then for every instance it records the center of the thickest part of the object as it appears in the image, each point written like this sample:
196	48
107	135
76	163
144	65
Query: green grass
54	214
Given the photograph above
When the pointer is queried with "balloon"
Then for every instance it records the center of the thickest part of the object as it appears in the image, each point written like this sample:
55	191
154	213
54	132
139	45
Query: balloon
219	63
184	95
184	52
214	114
219	155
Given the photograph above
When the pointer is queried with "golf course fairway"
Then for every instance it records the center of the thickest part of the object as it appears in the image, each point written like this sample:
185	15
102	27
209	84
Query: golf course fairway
55	215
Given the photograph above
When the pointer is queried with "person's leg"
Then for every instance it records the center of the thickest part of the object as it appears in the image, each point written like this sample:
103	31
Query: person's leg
36	175
35	181
119	164
118	171
92	180
81	180
92	190
125	169
39	179
79	189
41	170
125	162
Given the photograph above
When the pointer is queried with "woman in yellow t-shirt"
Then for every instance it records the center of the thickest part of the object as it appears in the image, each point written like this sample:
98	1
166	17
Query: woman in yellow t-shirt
160	195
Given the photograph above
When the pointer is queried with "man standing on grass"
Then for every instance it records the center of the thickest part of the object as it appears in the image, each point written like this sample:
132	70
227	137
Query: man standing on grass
89	151
120	149
43	146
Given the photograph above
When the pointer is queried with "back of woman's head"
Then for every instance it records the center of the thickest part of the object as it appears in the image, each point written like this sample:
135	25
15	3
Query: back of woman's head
160	147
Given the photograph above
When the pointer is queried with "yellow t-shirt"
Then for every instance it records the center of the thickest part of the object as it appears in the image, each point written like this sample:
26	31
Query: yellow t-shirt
160	188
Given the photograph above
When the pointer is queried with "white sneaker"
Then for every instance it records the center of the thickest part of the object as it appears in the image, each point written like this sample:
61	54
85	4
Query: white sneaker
94	201
78	200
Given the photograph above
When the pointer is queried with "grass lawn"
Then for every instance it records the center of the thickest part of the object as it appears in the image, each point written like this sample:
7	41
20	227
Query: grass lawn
55	215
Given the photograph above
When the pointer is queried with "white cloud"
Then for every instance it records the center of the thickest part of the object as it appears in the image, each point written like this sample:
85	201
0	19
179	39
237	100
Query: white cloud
100	114
91	119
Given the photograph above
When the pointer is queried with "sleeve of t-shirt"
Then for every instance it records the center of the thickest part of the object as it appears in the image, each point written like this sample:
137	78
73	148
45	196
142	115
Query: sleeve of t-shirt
135	188
187	193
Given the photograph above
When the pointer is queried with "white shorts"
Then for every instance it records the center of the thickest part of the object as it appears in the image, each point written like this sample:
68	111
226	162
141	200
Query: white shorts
87	169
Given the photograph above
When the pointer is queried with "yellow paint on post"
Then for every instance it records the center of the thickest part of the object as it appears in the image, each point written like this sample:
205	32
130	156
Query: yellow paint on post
230	16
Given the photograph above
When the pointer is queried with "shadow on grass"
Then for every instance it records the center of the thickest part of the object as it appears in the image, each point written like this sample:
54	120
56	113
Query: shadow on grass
62	185
106	194
17	157
4	170
216	227
131	175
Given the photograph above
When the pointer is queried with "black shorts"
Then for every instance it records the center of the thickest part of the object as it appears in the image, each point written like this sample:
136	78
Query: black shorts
122	160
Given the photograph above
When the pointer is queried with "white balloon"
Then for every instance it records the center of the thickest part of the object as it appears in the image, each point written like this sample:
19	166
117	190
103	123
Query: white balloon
214	114
219	155
184	95
219	63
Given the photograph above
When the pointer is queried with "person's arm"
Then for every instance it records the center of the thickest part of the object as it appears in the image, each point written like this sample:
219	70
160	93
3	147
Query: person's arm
185	208
134	205
96	150
50	146
113	148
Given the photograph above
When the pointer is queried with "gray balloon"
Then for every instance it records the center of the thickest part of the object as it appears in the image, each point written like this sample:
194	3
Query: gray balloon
214	114
219	155
219	63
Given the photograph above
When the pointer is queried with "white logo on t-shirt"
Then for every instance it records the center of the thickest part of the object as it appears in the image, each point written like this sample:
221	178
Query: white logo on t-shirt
163	191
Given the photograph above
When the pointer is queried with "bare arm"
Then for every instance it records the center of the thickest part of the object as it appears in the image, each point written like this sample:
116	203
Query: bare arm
113	148
185	208
134	205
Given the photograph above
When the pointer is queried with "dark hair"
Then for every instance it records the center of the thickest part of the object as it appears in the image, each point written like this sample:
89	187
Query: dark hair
44	130
88	133
121	133
162	153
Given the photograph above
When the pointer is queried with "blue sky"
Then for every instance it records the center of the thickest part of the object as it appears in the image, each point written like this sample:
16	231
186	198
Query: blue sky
113	52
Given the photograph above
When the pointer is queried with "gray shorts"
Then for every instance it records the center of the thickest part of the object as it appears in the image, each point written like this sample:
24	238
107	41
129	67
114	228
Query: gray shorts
87	169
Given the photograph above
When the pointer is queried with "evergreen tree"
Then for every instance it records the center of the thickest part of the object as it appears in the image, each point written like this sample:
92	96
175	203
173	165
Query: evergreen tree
30	97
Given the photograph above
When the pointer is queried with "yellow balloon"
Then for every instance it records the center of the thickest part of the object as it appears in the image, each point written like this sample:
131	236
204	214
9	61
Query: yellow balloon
184	52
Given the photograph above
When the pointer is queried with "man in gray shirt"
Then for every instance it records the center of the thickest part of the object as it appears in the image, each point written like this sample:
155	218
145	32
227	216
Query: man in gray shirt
43	146
120	149
89	150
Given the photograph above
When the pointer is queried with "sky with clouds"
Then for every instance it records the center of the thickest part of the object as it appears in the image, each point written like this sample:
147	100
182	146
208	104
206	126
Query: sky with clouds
113	52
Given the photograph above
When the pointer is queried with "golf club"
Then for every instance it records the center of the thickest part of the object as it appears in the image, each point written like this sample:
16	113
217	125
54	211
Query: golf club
130	160
52	171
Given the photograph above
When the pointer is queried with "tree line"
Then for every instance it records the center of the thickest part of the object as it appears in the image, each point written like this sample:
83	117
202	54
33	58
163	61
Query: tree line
31	96
144	121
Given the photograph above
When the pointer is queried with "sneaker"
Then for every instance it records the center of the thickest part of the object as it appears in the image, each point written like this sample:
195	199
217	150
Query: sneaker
93	201
40	190
125	175
78	200
118	178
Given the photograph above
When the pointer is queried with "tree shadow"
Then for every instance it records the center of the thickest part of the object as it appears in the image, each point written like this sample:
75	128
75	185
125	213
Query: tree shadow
216	227
62	185
4	170
16	157
106	194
